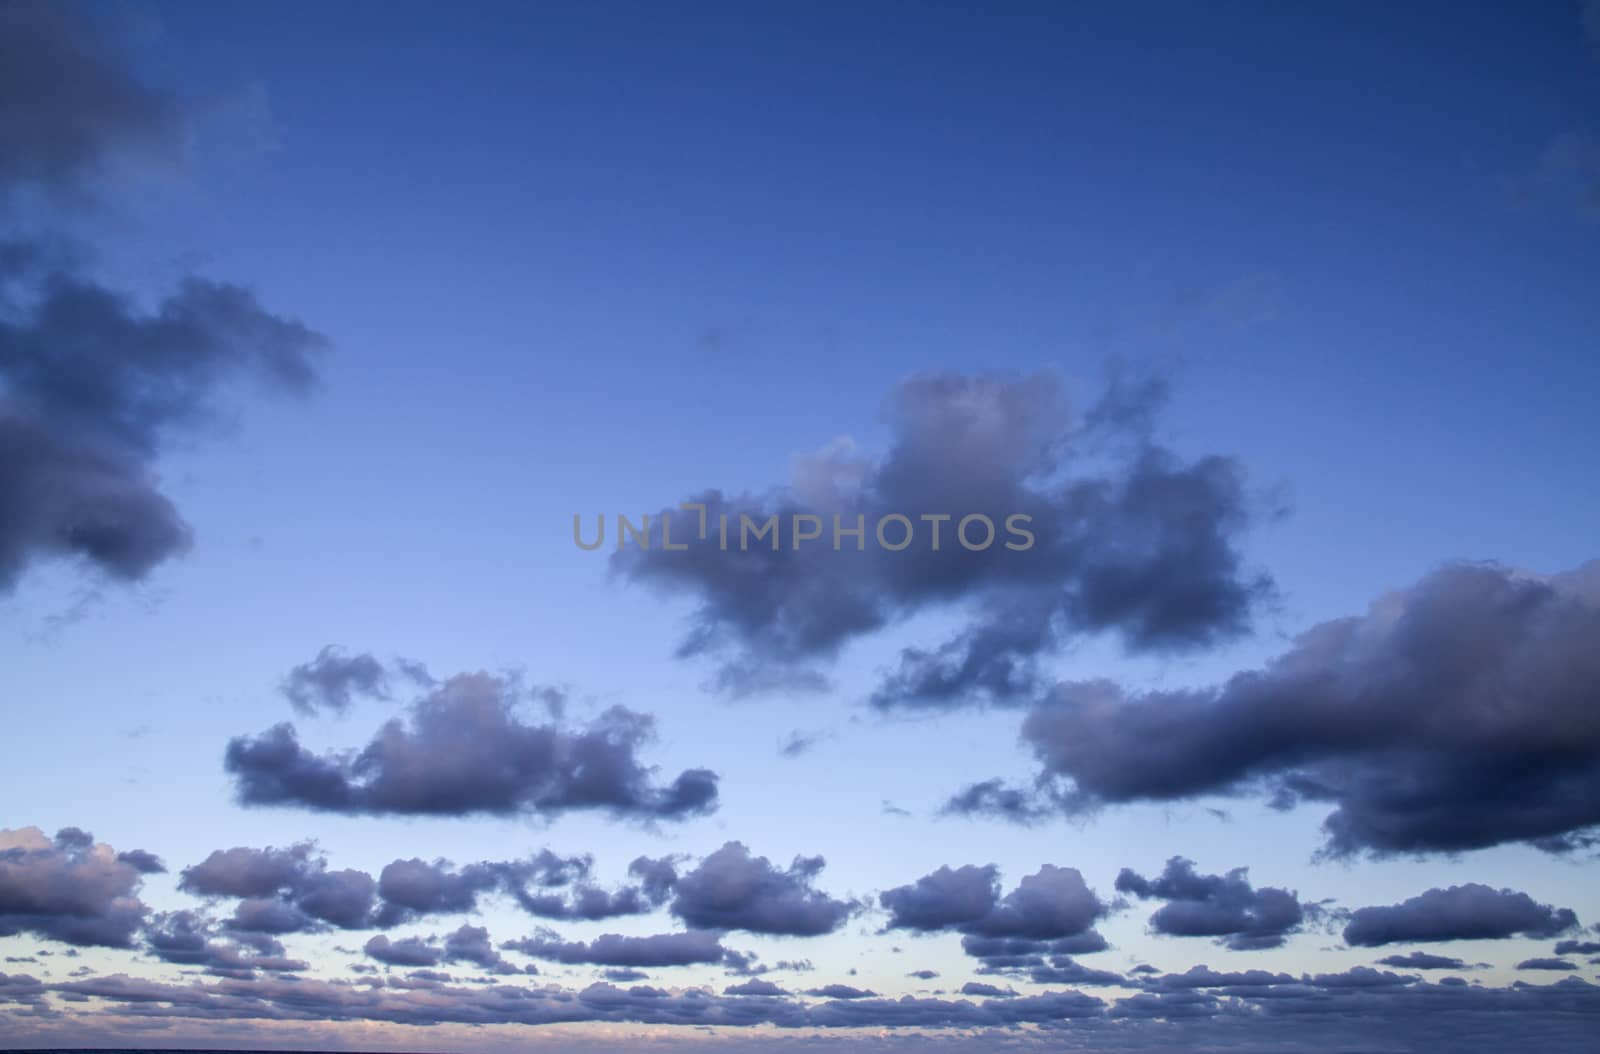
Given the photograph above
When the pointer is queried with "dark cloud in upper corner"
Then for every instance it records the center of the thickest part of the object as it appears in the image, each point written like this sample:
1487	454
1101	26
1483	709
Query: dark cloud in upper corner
1129	538
72	110
69	888
1455	714
1226	907
1466	912
93	386
464	749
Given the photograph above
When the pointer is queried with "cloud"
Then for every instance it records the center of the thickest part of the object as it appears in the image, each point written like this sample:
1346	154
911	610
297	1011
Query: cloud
409	951
283	890
74	113
333	680
1453	715
1360	1009
91	390
471	944
69	889
1466	912
1141	543
613	949
841	991
464	750
1223	906
1052	904
188	939
732	890
1424	961
146	863
1557	965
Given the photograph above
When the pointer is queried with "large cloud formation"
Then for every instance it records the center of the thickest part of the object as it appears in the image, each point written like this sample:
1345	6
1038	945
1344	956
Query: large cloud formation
1466	912
92	385
465	749
1127	538
69	888
1360	1009
1457	714
1227	907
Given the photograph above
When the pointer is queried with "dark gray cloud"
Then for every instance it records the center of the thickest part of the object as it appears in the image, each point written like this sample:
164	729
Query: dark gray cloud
1360	1009
987	991
1424	961
733	890
1466	912
408	951
841	991
464	749
283	890
613	949
72	112
293	889
1128	538
1052	904
471	944
1227	907
91	388
333	680
146	863
1454	715
68	888
1556	965
187	938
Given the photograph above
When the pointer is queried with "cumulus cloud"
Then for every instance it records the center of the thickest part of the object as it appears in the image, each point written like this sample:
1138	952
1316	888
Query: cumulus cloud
333	680
1227	907
1454	715
1127	538
283	890
408	951
1033	930
1466	912
733	890
69	888
1424	961
1051	904
465	749
613	949
91	389
187	938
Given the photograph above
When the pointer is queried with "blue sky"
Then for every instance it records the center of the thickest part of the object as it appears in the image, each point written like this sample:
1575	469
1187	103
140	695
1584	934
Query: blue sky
595	259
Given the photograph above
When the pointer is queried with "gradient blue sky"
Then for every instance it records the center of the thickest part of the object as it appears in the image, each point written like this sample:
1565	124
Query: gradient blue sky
594	258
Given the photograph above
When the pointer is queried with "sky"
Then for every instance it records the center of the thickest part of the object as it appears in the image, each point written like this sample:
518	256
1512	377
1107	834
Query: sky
327	333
